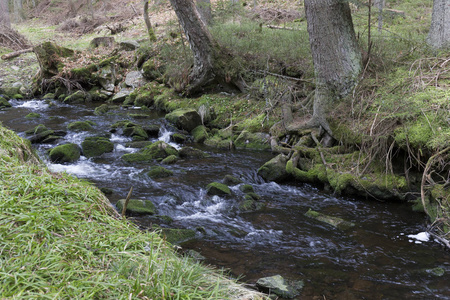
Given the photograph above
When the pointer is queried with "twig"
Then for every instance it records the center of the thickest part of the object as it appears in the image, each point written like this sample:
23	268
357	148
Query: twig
124	209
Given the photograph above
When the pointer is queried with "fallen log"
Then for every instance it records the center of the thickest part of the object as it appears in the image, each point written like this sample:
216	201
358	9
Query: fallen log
16	53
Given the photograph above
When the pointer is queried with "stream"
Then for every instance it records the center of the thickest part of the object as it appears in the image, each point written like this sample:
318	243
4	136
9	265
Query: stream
382	257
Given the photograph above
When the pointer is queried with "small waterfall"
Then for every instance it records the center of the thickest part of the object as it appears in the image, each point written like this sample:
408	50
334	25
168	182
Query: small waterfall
164	135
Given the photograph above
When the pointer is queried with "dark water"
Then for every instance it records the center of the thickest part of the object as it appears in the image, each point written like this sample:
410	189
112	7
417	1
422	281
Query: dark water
374	260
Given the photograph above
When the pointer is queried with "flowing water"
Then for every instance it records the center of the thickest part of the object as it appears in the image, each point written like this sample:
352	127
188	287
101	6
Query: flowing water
379	258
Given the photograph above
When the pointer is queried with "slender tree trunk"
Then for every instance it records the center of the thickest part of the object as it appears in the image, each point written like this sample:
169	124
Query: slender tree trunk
18	10
204	8
336	54
151	33
4	14
439	35
200	41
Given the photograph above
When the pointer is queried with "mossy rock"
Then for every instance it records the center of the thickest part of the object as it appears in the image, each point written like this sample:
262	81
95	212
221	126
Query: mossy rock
176	236
137	132
49	96
274	169
65	153
101	110
81	126
186	119
178	138
231	180
336	222
189	152
36	130
76	98
137	206
39	134
152	69
217	188
170	160
4	103
256	141
138	144
33	115
159	172
250	205
152	130
48	55
158	150
96	146
253	196
8	92
280	286
246	188
145	99
199	133
219	143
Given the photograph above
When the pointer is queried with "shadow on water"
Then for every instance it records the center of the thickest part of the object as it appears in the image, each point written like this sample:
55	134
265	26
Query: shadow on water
373	260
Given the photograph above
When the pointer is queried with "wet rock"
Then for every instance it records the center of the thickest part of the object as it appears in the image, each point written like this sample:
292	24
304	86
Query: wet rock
217	188
176	236
95	146
250	205
138	144
280	286
4	103
65	153
9	92
101	110
246	188
120	96
158	150
186	119
39	134
253	196
231	180
178	138
199	134
137	206
152	130
336	222
189	152
81	126
169	160
249	140
76	98
159	172
274	169
136	132
219	143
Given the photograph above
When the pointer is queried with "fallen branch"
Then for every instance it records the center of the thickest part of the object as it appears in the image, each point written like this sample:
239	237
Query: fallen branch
16	53
281	27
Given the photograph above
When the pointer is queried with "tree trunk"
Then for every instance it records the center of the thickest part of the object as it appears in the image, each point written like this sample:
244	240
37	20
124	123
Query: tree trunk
200	41
336	55
439	36
18	10
204	8
151	33
4	14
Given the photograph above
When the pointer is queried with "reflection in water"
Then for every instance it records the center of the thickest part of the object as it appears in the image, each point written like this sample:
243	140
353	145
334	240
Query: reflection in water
380	258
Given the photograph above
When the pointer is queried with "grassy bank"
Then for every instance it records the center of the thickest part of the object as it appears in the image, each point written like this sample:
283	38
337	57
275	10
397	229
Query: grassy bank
61	239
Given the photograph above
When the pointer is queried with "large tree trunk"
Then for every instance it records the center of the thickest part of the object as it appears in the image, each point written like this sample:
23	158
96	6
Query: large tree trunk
439	36
200	41
335	51
4	14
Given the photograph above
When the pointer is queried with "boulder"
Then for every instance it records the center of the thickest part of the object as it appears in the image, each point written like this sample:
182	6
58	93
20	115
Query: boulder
135	79
39	134
169	160
249	140
178	138
101	110
65	153
216	188
152	130
274	169
246	188
76	98
158	150
95	146
186	119
159	172
33	115
4	103
120	96
137	206
199	134
250	205
336	222
81	126
280	286
129	45
189	152
176	236
231	180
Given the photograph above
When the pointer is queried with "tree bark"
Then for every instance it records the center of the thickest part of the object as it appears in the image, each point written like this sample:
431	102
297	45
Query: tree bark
148	24
204	8
336	54
439	35
200	41
4	14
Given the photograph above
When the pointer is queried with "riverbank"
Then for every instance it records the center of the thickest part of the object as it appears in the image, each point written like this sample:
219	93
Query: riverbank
61	238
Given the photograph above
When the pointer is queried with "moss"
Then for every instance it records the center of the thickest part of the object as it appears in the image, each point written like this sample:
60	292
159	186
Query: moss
189	152
169	160
217	142
33	115
199	134
137	206
250	205
158	150
231	180
176	236
178	138
256	141
339	181
159	172
65	153
101	110
96	146
81	126
217	188
246	188
252	195
76	98
336	222
186	119
4	103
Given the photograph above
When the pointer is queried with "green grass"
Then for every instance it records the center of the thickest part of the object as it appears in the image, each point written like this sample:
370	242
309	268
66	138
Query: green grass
61	239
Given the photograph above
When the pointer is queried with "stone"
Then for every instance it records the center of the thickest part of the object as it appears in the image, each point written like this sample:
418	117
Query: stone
129	45
246	188
170	160
231	180
81	126
137	206
159	172
33	115
274	169
336	222
249	140
189	152
65	153
39	134
135	79
217	188
4	103
101	110
102	41
95	146
152	130
157	150
186	119
178	138
199	134
250	205
120	96
76	98
176	236
280	286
